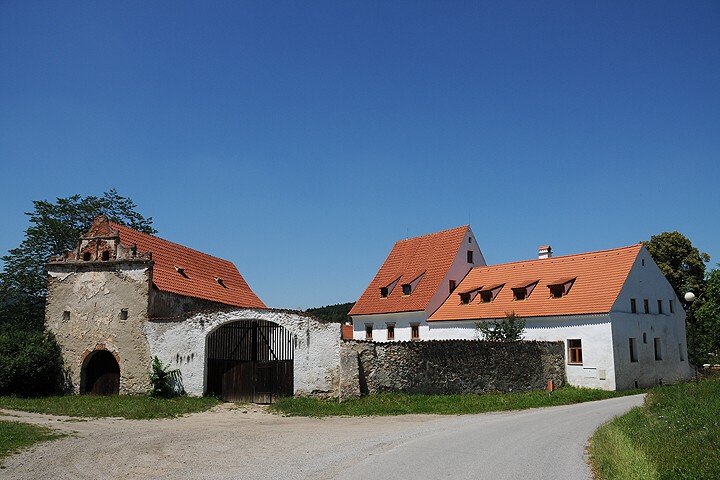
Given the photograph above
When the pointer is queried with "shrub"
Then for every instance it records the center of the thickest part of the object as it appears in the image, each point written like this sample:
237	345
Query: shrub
30	363
165	382
508	329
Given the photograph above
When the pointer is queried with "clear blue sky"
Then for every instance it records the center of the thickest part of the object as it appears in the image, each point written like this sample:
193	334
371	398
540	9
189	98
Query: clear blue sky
302	139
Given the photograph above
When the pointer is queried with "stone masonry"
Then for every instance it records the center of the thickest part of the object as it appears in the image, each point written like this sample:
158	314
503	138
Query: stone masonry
449	367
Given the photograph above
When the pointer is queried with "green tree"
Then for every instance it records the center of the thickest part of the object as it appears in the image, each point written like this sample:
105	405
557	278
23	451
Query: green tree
704	332
509	329
54	228
332	313
682	264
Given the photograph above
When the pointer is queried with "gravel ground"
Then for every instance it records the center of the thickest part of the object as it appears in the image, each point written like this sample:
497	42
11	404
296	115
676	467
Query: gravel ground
237	441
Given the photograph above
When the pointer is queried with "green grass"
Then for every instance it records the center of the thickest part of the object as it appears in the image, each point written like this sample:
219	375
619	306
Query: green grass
15	436
674	435
400	404
125	406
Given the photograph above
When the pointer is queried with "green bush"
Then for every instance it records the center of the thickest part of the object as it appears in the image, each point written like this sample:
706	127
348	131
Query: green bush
165	382
509	329
30	363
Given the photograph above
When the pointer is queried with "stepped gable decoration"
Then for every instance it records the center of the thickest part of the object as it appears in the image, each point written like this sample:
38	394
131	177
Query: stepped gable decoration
597	278
428	257
176	269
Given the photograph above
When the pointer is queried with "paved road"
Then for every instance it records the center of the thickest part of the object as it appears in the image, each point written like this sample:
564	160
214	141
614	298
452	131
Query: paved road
234	442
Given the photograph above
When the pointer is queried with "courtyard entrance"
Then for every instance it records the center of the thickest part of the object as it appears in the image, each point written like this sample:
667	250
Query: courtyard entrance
100	374
250	361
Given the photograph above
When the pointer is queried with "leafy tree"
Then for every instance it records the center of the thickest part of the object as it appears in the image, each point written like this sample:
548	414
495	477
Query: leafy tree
681	263
30	363
704	332
509	329
165	382
54	228
332	313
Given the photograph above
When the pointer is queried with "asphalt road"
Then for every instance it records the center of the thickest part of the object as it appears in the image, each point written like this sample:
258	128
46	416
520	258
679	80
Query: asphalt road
236	442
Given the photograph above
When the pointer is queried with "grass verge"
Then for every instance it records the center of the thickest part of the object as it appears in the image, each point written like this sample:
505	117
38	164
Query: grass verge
15	436
674	435
125	406
400	404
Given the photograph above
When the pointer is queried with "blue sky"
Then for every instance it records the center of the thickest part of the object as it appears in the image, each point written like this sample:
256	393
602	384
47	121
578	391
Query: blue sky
302	139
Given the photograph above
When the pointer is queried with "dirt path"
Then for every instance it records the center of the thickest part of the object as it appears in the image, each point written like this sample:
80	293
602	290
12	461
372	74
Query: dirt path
232	442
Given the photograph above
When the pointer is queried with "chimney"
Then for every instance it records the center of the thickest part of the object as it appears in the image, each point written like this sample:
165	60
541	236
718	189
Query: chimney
544	251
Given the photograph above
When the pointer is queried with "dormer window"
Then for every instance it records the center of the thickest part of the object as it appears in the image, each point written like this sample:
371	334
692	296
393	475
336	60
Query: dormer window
387	288
487	295
560	288
468	295
520	293
221	282
181	272
522	290
384	292
464	298
407	289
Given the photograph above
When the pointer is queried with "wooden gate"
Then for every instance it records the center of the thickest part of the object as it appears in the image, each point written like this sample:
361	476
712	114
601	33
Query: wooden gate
250	361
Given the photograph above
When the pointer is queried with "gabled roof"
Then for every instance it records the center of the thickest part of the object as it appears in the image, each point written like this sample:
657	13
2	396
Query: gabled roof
429	256
599	276
200	271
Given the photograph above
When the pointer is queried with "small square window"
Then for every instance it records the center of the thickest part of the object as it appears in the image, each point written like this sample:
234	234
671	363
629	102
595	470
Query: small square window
87	256
105	256
66	316
575	352
391	331
124	314
407	289
464	298
415	331
633	305
368	332
384	292
486	296
557	291
646	305
519	293
470	256
452	285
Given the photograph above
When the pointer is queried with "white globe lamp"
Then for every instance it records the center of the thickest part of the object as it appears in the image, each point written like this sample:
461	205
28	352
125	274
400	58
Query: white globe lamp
689	297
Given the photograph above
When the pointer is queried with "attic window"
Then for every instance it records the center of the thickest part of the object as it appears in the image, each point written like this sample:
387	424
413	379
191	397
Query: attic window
486	296
560	288
384	292
407	289
181	271
221	282
464	298
105	255
519	293
87	256
470	256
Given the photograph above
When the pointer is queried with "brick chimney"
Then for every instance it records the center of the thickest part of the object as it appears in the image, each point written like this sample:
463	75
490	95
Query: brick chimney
544	251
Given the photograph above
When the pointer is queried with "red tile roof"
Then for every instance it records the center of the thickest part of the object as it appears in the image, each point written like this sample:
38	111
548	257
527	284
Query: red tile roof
432	254
599	276
201	271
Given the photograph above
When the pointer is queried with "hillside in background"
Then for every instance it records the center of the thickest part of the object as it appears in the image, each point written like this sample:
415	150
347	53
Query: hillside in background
332	313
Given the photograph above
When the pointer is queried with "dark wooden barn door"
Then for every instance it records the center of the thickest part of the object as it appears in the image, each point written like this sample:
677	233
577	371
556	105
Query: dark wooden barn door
250	361
102	374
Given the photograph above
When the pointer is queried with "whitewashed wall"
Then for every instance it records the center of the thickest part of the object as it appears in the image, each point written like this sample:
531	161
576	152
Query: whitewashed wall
317	354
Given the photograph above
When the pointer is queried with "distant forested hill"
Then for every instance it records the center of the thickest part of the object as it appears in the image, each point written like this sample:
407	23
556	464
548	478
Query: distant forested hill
332	313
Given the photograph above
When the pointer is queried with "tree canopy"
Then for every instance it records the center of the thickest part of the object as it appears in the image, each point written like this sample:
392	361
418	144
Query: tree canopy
682	264
332	313
54	227
704	333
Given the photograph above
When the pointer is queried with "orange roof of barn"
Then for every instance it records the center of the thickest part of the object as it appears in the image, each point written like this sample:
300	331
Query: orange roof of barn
432	254
599	276
200	271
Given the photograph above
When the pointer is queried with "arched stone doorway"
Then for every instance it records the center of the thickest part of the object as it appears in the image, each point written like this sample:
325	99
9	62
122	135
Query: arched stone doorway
250	361
100	374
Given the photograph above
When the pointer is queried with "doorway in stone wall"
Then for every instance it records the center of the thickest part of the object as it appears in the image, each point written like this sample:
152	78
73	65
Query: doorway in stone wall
100	374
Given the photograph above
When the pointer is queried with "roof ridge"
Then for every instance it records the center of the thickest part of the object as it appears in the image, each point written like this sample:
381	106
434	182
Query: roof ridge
447	230
551	259
113	224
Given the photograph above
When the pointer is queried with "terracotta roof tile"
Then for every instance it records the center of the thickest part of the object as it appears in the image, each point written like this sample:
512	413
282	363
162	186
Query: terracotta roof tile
199	271
599	276
429	255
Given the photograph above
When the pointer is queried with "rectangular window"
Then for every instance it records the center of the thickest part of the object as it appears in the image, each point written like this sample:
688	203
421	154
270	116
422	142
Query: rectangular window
415	331
452	286
575	352
644	337
368	332
672	306
391	331
407	289
66	315
486	296
124	314
682	355
464	298
384	292
633	305
658	349
660	307
646	304
470	256
519	293
556	291
633	350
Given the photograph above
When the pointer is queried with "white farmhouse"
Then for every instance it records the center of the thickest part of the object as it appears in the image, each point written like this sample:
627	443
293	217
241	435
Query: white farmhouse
620	320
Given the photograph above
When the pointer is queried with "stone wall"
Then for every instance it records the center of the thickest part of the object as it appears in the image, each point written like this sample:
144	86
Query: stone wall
181	343
448	366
